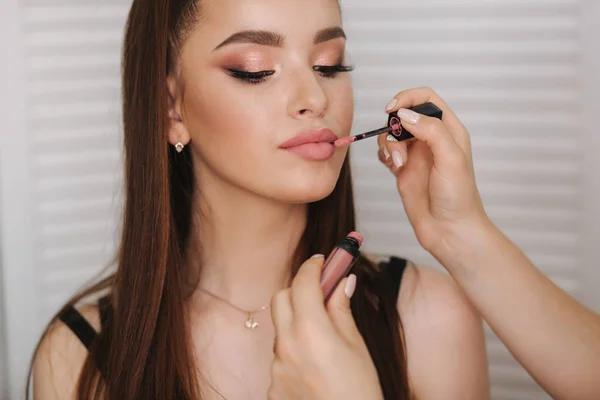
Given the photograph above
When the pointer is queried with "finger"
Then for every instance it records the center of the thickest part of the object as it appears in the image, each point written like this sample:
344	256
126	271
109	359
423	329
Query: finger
306	293
413	97
447	154
393	154
418	168
279	381
417	96
413	185
398	152
384	154
340	312
282	313
385	159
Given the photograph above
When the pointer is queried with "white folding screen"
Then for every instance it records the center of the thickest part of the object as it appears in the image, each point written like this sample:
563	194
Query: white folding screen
512	72
509	69
64	164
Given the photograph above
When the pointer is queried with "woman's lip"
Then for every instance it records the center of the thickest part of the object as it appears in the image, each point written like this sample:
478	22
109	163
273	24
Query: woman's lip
311	136
320	151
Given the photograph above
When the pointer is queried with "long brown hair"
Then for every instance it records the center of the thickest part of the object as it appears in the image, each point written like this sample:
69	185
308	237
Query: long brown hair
143	350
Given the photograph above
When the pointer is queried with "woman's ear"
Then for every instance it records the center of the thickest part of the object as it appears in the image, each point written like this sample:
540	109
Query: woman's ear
178	133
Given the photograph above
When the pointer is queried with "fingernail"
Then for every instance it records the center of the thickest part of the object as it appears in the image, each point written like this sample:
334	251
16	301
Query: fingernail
390	138
390	105
318	256
386	153
408	115
397	158
350	285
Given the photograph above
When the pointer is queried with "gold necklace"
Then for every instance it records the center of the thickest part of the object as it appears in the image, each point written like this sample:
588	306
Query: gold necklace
250	322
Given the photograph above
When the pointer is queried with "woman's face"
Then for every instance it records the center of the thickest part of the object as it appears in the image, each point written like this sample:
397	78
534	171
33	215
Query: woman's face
256	74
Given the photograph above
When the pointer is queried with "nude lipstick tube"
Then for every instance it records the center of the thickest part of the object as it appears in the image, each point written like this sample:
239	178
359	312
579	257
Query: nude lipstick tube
339	262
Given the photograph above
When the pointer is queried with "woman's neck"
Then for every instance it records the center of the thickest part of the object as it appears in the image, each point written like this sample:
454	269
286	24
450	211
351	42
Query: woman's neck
247	244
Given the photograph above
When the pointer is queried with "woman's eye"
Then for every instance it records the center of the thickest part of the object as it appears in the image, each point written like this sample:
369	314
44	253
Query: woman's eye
330	71
254	78
250	77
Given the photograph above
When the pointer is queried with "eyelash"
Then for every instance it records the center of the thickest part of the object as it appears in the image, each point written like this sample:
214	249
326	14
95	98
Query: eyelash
330	71
254	78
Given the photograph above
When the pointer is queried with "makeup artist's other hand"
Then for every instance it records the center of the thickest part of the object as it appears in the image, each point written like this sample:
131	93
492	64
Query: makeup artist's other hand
319	352
435	176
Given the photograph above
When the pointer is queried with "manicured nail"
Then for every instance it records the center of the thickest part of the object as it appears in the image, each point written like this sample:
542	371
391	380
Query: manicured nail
408	115
318	256
390	138
350	285
390	105
386	153
397	158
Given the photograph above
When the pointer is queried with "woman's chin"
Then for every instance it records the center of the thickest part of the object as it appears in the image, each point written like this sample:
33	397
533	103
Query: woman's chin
306	191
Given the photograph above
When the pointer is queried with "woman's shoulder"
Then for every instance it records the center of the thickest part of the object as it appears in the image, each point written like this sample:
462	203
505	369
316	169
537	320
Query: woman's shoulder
426	286
443	334
424	292
429	301
60	358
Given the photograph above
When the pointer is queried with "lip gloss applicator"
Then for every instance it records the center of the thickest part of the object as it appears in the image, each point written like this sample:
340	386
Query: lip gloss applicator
339	262
394	127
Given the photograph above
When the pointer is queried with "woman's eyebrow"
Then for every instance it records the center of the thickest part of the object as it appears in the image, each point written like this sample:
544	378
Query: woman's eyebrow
274	39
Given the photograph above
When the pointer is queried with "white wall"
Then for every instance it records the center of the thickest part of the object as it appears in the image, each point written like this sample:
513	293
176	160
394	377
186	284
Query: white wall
519	74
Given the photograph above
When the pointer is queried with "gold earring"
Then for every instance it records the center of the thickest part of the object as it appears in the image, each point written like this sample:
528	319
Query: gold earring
179	147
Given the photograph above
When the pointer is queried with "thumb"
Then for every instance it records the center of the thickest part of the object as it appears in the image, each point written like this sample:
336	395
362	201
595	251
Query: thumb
338	308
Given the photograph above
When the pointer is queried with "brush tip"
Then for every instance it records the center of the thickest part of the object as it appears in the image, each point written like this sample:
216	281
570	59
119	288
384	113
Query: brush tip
344	141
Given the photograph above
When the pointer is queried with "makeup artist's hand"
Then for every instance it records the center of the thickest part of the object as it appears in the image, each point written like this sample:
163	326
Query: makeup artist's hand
434	173
319	352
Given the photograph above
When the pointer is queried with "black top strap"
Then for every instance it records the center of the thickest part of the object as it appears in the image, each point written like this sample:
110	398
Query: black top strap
79	325
85	332
393	271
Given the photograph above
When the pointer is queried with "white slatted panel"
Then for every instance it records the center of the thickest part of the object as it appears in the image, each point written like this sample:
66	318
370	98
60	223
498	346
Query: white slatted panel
509	70
73	89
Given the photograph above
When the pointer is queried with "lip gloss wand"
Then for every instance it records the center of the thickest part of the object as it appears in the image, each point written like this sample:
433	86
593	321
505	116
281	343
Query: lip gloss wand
394	127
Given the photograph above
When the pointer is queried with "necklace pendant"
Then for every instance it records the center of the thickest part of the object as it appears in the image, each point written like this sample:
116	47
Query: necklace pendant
250	323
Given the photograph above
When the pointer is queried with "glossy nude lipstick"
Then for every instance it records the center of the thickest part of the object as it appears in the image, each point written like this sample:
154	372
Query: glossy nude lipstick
315	145
394	127
339	262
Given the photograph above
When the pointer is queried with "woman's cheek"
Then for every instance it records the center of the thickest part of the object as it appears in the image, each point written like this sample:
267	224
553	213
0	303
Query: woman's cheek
343	107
